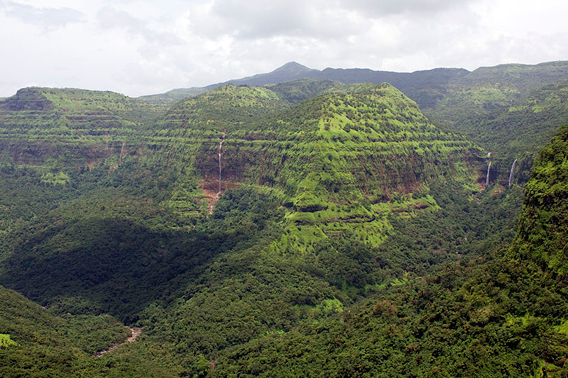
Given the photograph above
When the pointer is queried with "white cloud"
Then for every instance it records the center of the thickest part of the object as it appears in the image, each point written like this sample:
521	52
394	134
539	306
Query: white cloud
47	18
140	47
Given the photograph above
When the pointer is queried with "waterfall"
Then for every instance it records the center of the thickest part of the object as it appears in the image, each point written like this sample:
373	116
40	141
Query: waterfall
121	153
512	174
487	177
220	153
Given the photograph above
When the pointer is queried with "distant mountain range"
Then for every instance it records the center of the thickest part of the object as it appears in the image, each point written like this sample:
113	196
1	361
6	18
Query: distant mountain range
426	87
406	82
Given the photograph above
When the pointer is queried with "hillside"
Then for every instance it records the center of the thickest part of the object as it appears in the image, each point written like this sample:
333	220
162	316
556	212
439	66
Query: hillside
316	199
510	109
314	151
490	105
518	131
543	232
502	314
439	88
304	228
37	342
309	156
424	87
51	128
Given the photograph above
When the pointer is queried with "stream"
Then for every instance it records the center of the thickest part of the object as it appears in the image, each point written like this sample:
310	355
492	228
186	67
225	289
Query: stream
135	333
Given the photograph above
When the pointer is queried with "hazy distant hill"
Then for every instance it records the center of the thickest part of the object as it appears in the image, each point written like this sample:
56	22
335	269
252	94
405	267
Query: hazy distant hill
426	85
289	71
509	82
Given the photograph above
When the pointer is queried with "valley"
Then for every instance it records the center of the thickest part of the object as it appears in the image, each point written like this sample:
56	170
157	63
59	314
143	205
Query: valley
297	223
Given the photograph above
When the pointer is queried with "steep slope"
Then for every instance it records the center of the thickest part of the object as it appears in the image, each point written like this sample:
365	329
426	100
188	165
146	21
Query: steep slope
500	315
519	131
543	230
309	193
228	107
38	343
511	110
68	127
341	155
340	163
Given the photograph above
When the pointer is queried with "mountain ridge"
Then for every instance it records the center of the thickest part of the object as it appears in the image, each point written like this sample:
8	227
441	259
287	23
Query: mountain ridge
294	70
304	228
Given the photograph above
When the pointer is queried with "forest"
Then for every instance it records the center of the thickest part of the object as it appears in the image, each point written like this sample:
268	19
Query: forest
320	227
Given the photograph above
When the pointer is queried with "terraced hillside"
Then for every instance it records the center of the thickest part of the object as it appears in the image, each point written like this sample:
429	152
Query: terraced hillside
56	128
337	158
236	217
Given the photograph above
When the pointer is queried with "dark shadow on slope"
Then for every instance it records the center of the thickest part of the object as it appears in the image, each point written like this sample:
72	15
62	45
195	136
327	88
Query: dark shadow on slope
118	266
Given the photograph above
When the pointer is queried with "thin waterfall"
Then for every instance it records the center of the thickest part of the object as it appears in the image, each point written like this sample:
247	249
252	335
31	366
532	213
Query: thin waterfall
121	153
512	174
487	177
220	153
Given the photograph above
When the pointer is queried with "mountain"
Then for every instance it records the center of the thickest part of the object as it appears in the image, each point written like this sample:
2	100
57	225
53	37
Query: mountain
303	228
75	126
482	89
341	162
310	191
502	314
288	72
422	86
474	103
511	110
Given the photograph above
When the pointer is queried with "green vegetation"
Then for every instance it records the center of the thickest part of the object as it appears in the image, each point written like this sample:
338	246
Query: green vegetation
6	342
543	230
351	235
511	110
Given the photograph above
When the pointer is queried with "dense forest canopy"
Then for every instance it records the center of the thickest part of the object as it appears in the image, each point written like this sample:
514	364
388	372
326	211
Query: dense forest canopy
305	223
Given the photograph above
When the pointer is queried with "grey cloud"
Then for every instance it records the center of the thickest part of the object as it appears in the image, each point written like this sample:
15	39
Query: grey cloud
48	18
310	19
396	7
261	18
110	18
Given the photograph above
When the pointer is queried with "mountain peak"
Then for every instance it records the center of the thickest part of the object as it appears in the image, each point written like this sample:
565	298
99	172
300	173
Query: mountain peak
289	71
293	67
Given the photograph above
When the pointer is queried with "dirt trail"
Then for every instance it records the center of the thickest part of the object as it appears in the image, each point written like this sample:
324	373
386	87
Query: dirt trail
135	333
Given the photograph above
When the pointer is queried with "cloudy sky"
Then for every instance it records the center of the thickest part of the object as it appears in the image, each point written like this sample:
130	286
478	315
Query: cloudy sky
139	47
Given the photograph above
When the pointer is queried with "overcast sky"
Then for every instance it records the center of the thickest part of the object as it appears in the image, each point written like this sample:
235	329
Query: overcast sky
139	47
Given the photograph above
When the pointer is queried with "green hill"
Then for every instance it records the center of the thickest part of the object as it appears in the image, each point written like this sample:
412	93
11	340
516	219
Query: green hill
36	342
307	228
501	314
543	229
518	131
52	128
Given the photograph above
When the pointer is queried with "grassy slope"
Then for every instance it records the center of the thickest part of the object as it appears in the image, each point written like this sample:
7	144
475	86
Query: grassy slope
502	314
60	128
511	110
334	173
341	155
